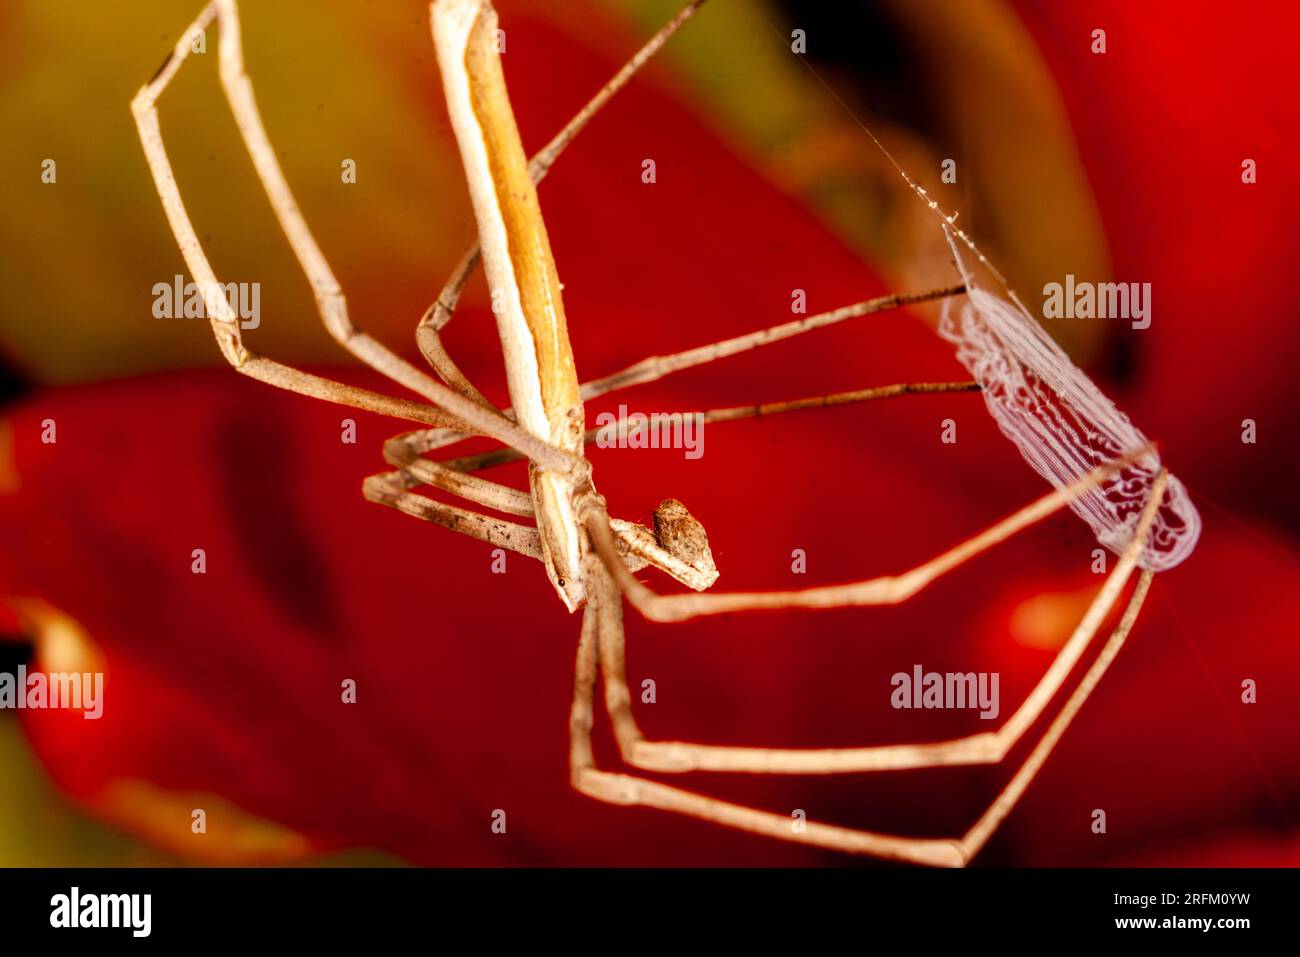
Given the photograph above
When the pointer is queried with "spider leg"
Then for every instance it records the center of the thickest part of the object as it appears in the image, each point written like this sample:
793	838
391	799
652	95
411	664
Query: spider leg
401	453
465	414
636	543
983	829
391	489
407	450
330	301
885	590
602	641
985	748
428	331
656	367
604	612
653	368
428	439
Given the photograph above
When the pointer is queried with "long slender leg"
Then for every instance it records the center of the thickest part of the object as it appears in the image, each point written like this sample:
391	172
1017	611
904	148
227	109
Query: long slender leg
656	367
428	439
983	829
391	489
465	414
330	301
603	628
603	612
399	452
767	409
637	544
653	368
406	451
582	713
428	332
887	590
225	326
984	748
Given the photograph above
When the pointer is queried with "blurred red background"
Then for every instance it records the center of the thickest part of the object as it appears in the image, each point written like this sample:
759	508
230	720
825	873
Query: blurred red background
223	690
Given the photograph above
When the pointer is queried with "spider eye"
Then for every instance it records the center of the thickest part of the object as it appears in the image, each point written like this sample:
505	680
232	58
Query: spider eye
560	582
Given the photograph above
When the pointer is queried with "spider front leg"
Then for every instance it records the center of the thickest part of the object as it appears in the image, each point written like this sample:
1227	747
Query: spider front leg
984	748
225	325
654	368
886	590
456	411
330	301
603	613
403	452
638	545
428	332
393	489
695	570
428	439
605	632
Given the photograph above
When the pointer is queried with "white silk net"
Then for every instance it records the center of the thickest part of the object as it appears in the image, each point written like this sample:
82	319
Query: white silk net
1062	423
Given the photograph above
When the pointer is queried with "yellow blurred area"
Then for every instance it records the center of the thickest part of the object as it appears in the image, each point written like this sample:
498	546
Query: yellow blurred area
41	828
331	85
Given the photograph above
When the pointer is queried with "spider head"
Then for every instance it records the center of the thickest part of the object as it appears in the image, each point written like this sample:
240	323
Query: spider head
557	528
568	585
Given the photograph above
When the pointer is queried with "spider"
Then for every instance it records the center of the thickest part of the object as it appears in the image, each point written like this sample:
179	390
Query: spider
589	557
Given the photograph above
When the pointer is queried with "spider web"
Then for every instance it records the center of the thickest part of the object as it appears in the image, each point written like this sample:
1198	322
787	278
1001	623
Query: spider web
1062	423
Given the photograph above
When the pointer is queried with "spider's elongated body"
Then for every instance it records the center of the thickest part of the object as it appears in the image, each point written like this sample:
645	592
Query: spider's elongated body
590	557
521	271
